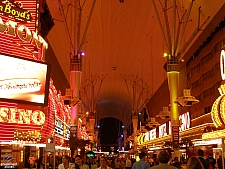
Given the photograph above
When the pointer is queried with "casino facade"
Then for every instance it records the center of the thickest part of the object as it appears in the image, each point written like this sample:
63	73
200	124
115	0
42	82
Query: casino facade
31	108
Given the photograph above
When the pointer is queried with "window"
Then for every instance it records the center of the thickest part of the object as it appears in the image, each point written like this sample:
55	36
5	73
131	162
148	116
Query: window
206	58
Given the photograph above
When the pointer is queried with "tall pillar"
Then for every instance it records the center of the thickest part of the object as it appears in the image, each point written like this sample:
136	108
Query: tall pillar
75	81
173	83
124	137
92	126
135	128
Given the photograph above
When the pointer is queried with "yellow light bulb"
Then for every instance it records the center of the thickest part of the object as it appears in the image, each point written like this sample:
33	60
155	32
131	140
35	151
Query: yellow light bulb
165	55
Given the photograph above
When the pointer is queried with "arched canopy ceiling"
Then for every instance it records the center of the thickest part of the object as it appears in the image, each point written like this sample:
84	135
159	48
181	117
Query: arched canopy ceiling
123	39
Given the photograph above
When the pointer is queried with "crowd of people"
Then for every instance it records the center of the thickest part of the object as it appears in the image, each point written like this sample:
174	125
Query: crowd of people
162	161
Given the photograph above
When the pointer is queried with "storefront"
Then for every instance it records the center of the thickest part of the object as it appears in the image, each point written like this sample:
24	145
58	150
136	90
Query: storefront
30	106
191	131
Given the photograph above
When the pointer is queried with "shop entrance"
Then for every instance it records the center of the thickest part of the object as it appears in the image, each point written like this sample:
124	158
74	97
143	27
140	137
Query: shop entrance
26	156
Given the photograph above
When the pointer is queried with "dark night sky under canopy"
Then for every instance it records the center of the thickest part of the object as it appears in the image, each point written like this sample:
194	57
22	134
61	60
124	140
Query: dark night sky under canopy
109	130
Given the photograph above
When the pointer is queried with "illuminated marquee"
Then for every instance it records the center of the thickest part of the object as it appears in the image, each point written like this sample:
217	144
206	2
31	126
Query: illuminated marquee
24	34
21	116
15	10
61	129
152	134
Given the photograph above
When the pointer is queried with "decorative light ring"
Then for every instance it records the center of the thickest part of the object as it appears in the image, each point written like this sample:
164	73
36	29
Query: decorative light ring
222	109
215	113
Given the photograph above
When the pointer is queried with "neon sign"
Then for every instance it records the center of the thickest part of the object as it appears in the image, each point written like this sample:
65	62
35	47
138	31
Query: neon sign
147	136
21	116
24	34
162	130
186	121
15	10
153	134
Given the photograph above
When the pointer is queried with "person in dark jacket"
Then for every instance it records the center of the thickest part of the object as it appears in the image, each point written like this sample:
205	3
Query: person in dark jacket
219	162
212	161
206	164
164	158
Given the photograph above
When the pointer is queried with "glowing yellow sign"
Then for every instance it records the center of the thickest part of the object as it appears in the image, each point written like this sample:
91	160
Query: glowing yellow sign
21	116
15	10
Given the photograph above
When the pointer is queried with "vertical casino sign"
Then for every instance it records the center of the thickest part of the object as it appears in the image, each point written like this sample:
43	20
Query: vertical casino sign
218	108
175	136
18	29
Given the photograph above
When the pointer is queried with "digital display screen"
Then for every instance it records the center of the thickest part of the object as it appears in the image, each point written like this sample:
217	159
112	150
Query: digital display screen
23	80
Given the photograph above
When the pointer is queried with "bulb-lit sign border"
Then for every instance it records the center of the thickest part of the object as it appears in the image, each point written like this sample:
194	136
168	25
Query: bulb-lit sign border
21	116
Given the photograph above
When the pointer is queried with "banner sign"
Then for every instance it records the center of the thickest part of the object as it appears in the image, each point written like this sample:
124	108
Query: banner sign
50	143
175	136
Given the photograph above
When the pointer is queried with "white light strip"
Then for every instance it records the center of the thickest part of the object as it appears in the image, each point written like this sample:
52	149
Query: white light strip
155	148
62	148
3	142
123	151
35	145
207	142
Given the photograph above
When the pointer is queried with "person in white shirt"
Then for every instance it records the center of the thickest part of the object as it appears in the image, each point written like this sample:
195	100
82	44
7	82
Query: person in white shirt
65	162
94	165
103	163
